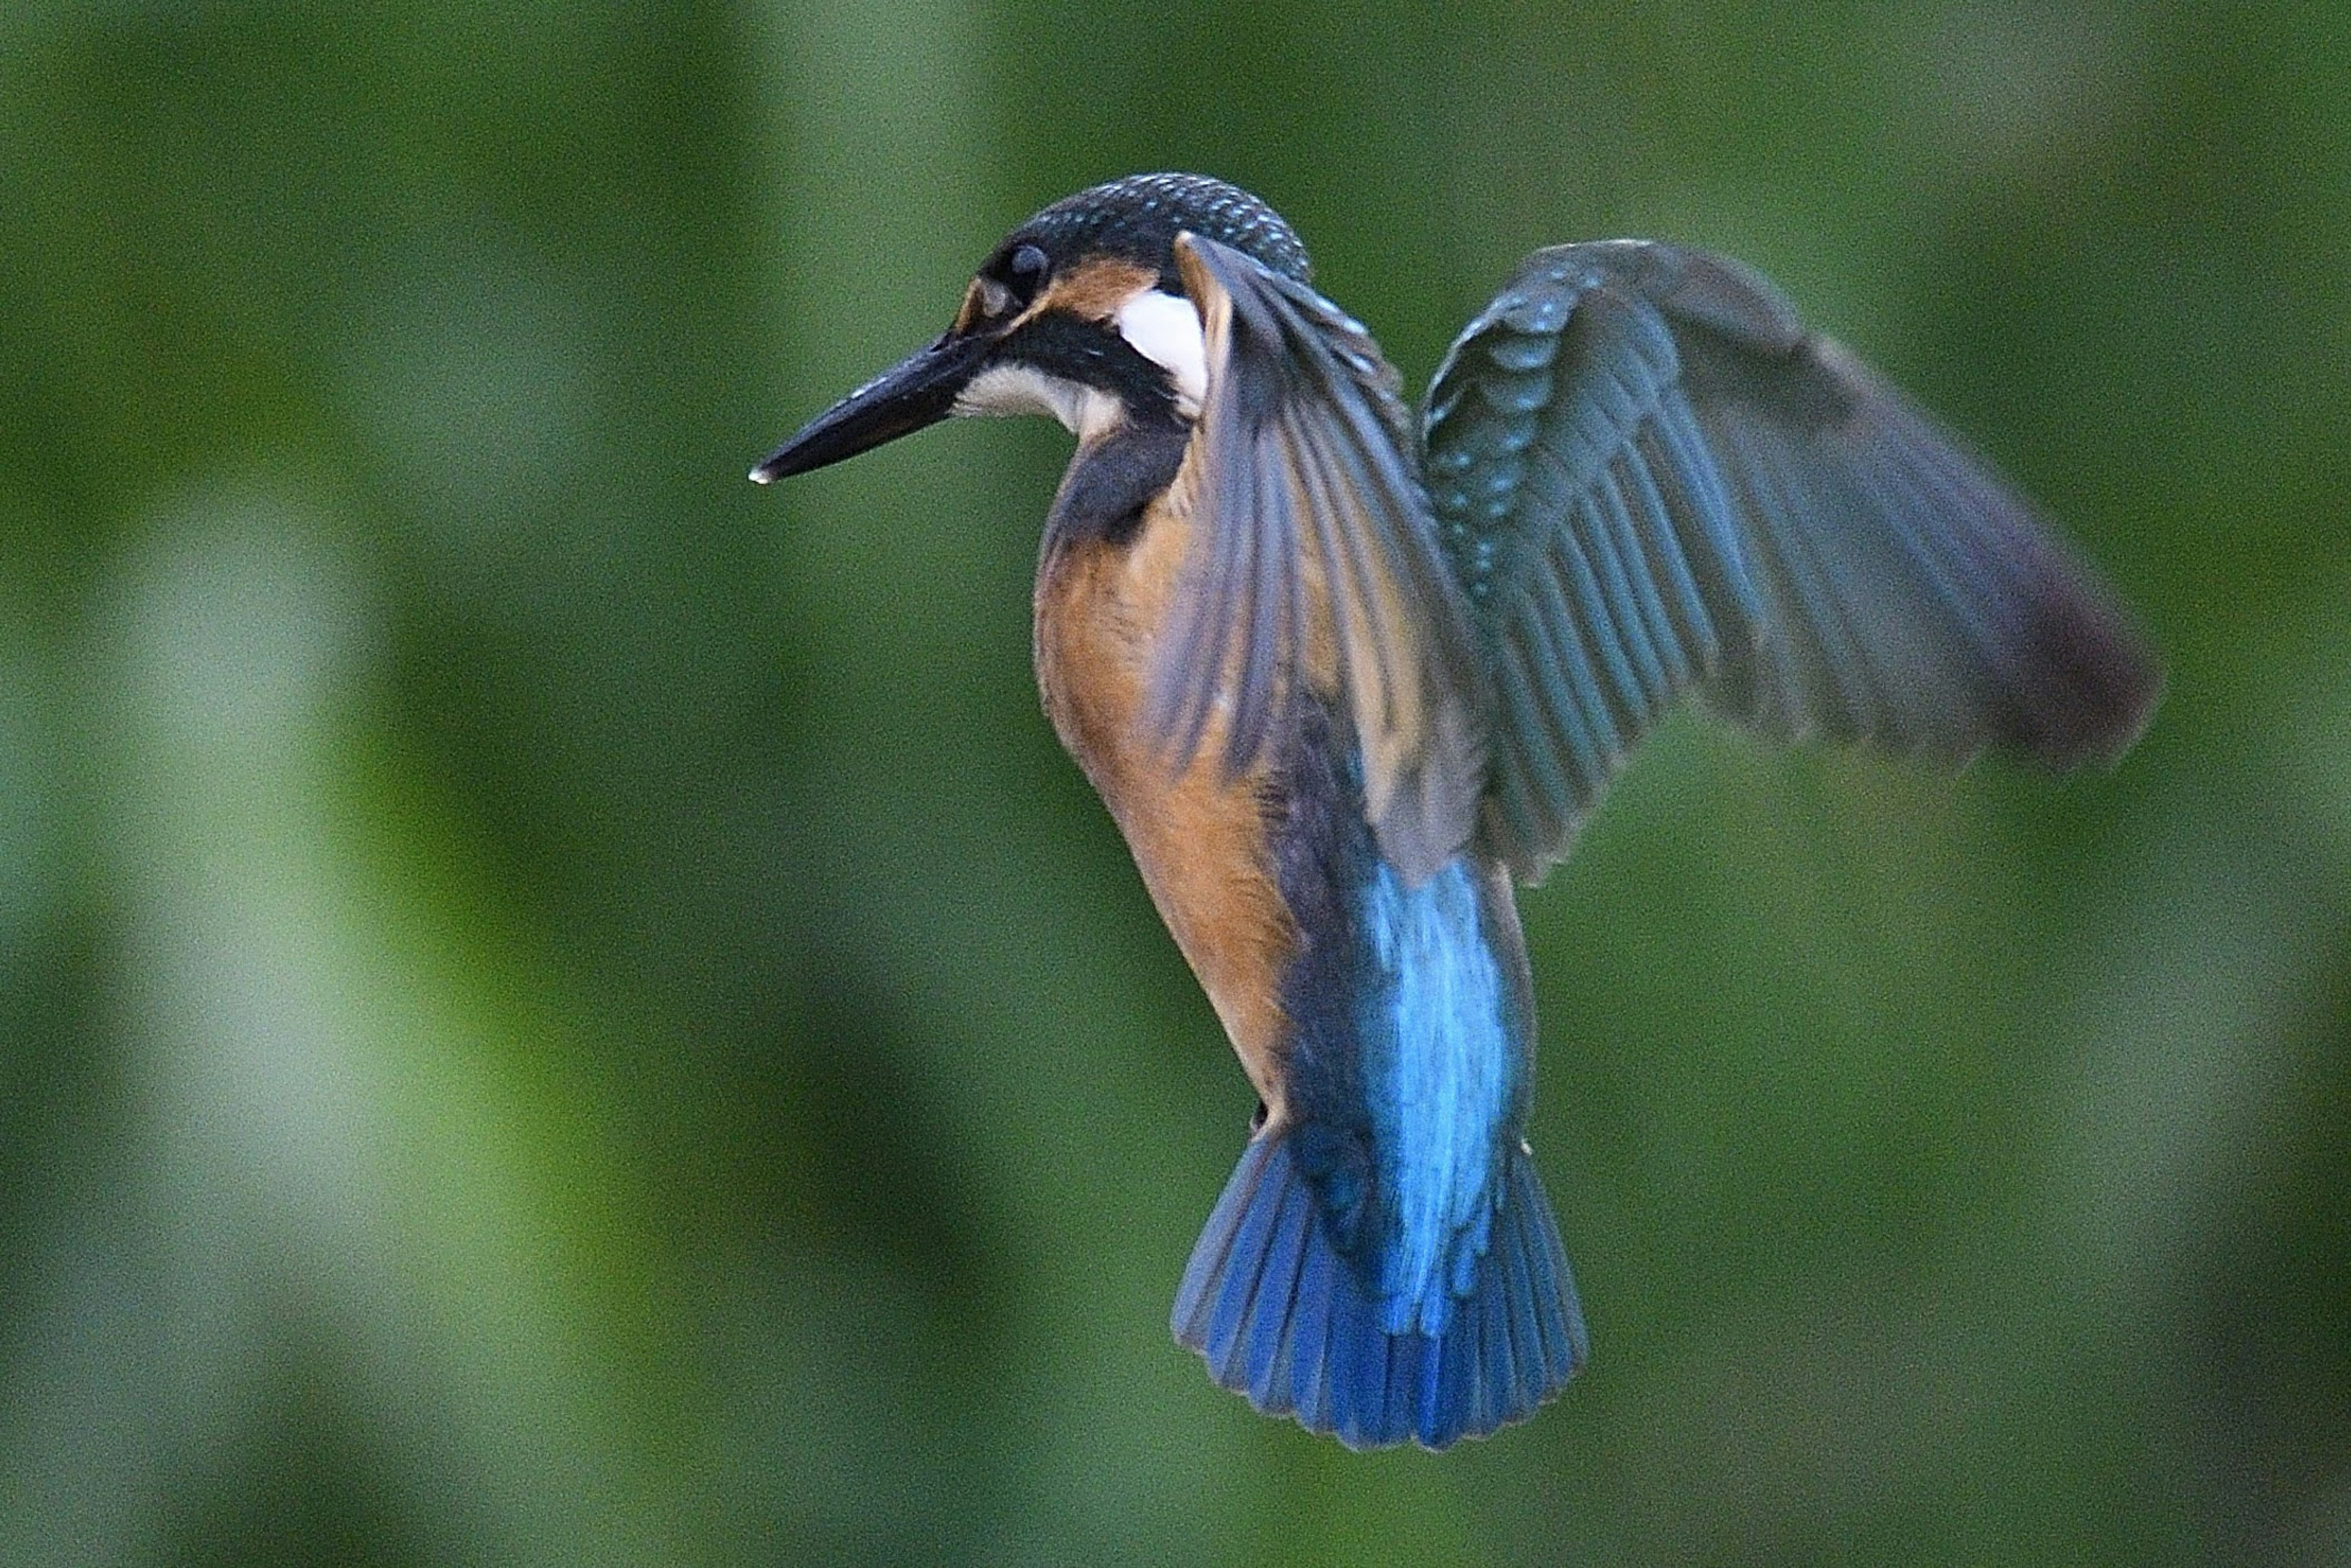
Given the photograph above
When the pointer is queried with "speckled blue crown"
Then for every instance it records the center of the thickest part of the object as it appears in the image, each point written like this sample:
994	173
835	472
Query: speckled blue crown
1140	217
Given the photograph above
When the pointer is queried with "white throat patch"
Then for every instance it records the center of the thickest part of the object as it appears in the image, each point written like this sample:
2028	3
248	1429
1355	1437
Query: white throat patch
1165	329
1085	411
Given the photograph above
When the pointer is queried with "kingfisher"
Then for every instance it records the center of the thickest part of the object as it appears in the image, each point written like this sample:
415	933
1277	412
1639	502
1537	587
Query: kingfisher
1344	676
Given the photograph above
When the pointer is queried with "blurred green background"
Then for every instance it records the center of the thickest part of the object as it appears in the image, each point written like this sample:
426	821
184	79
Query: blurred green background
558	1008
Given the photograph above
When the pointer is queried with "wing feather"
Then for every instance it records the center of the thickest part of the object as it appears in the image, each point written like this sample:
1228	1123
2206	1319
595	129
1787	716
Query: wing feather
1649	478
1311	531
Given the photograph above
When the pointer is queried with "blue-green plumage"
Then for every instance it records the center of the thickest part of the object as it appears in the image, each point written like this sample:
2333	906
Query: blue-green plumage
1340	677
1284	1316
1385	1250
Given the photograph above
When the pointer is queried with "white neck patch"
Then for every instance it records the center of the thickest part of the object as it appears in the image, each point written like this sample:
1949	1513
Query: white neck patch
1165	329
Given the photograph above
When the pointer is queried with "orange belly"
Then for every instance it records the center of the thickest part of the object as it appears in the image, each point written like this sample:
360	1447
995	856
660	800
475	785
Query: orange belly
1200	840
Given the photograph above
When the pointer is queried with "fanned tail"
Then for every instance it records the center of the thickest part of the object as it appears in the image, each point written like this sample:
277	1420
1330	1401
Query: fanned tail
1283	1318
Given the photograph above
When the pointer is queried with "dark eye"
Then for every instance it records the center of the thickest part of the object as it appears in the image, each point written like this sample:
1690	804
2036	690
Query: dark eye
1009	285
1026	267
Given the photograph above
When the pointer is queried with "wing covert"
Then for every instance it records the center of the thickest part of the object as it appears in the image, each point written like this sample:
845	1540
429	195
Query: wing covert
1650	477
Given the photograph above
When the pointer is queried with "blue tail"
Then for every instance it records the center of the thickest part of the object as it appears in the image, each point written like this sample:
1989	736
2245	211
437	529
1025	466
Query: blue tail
1283	1318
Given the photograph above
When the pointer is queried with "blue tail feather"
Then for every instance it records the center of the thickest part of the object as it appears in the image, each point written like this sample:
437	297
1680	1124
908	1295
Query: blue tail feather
1310	1341
1526	1312
1495	1369
1194	1300
1268	1335
1565	1333
1259	1234
1283	1318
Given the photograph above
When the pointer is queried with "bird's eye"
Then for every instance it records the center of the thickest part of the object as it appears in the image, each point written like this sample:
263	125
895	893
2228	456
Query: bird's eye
1027	268
1010	286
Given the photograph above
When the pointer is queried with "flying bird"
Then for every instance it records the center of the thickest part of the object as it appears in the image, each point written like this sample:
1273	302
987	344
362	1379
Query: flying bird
1342	675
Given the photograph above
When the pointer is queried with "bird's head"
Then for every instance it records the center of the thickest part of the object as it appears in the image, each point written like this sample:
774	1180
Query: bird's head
1080	314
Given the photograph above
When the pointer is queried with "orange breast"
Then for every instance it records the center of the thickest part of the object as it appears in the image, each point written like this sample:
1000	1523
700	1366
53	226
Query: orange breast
1200	840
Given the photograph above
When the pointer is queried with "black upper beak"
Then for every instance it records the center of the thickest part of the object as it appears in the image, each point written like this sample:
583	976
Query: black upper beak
919	390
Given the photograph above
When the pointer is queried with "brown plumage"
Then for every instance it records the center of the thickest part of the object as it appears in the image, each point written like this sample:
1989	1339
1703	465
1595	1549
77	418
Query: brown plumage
1201	840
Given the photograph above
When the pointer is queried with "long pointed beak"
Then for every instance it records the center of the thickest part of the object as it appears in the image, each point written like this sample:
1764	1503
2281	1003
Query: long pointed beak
921	390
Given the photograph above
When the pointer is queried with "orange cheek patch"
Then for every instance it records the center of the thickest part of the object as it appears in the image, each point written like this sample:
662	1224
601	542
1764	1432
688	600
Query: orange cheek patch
1095	291
974	310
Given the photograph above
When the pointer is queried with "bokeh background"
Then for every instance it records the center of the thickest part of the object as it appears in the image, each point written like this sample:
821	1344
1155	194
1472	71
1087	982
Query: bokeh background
558	1008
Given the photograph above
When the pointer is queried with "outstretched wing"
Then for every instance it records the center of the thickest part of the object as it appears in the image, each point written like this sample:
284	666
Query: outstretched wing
1649	477
1313	557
